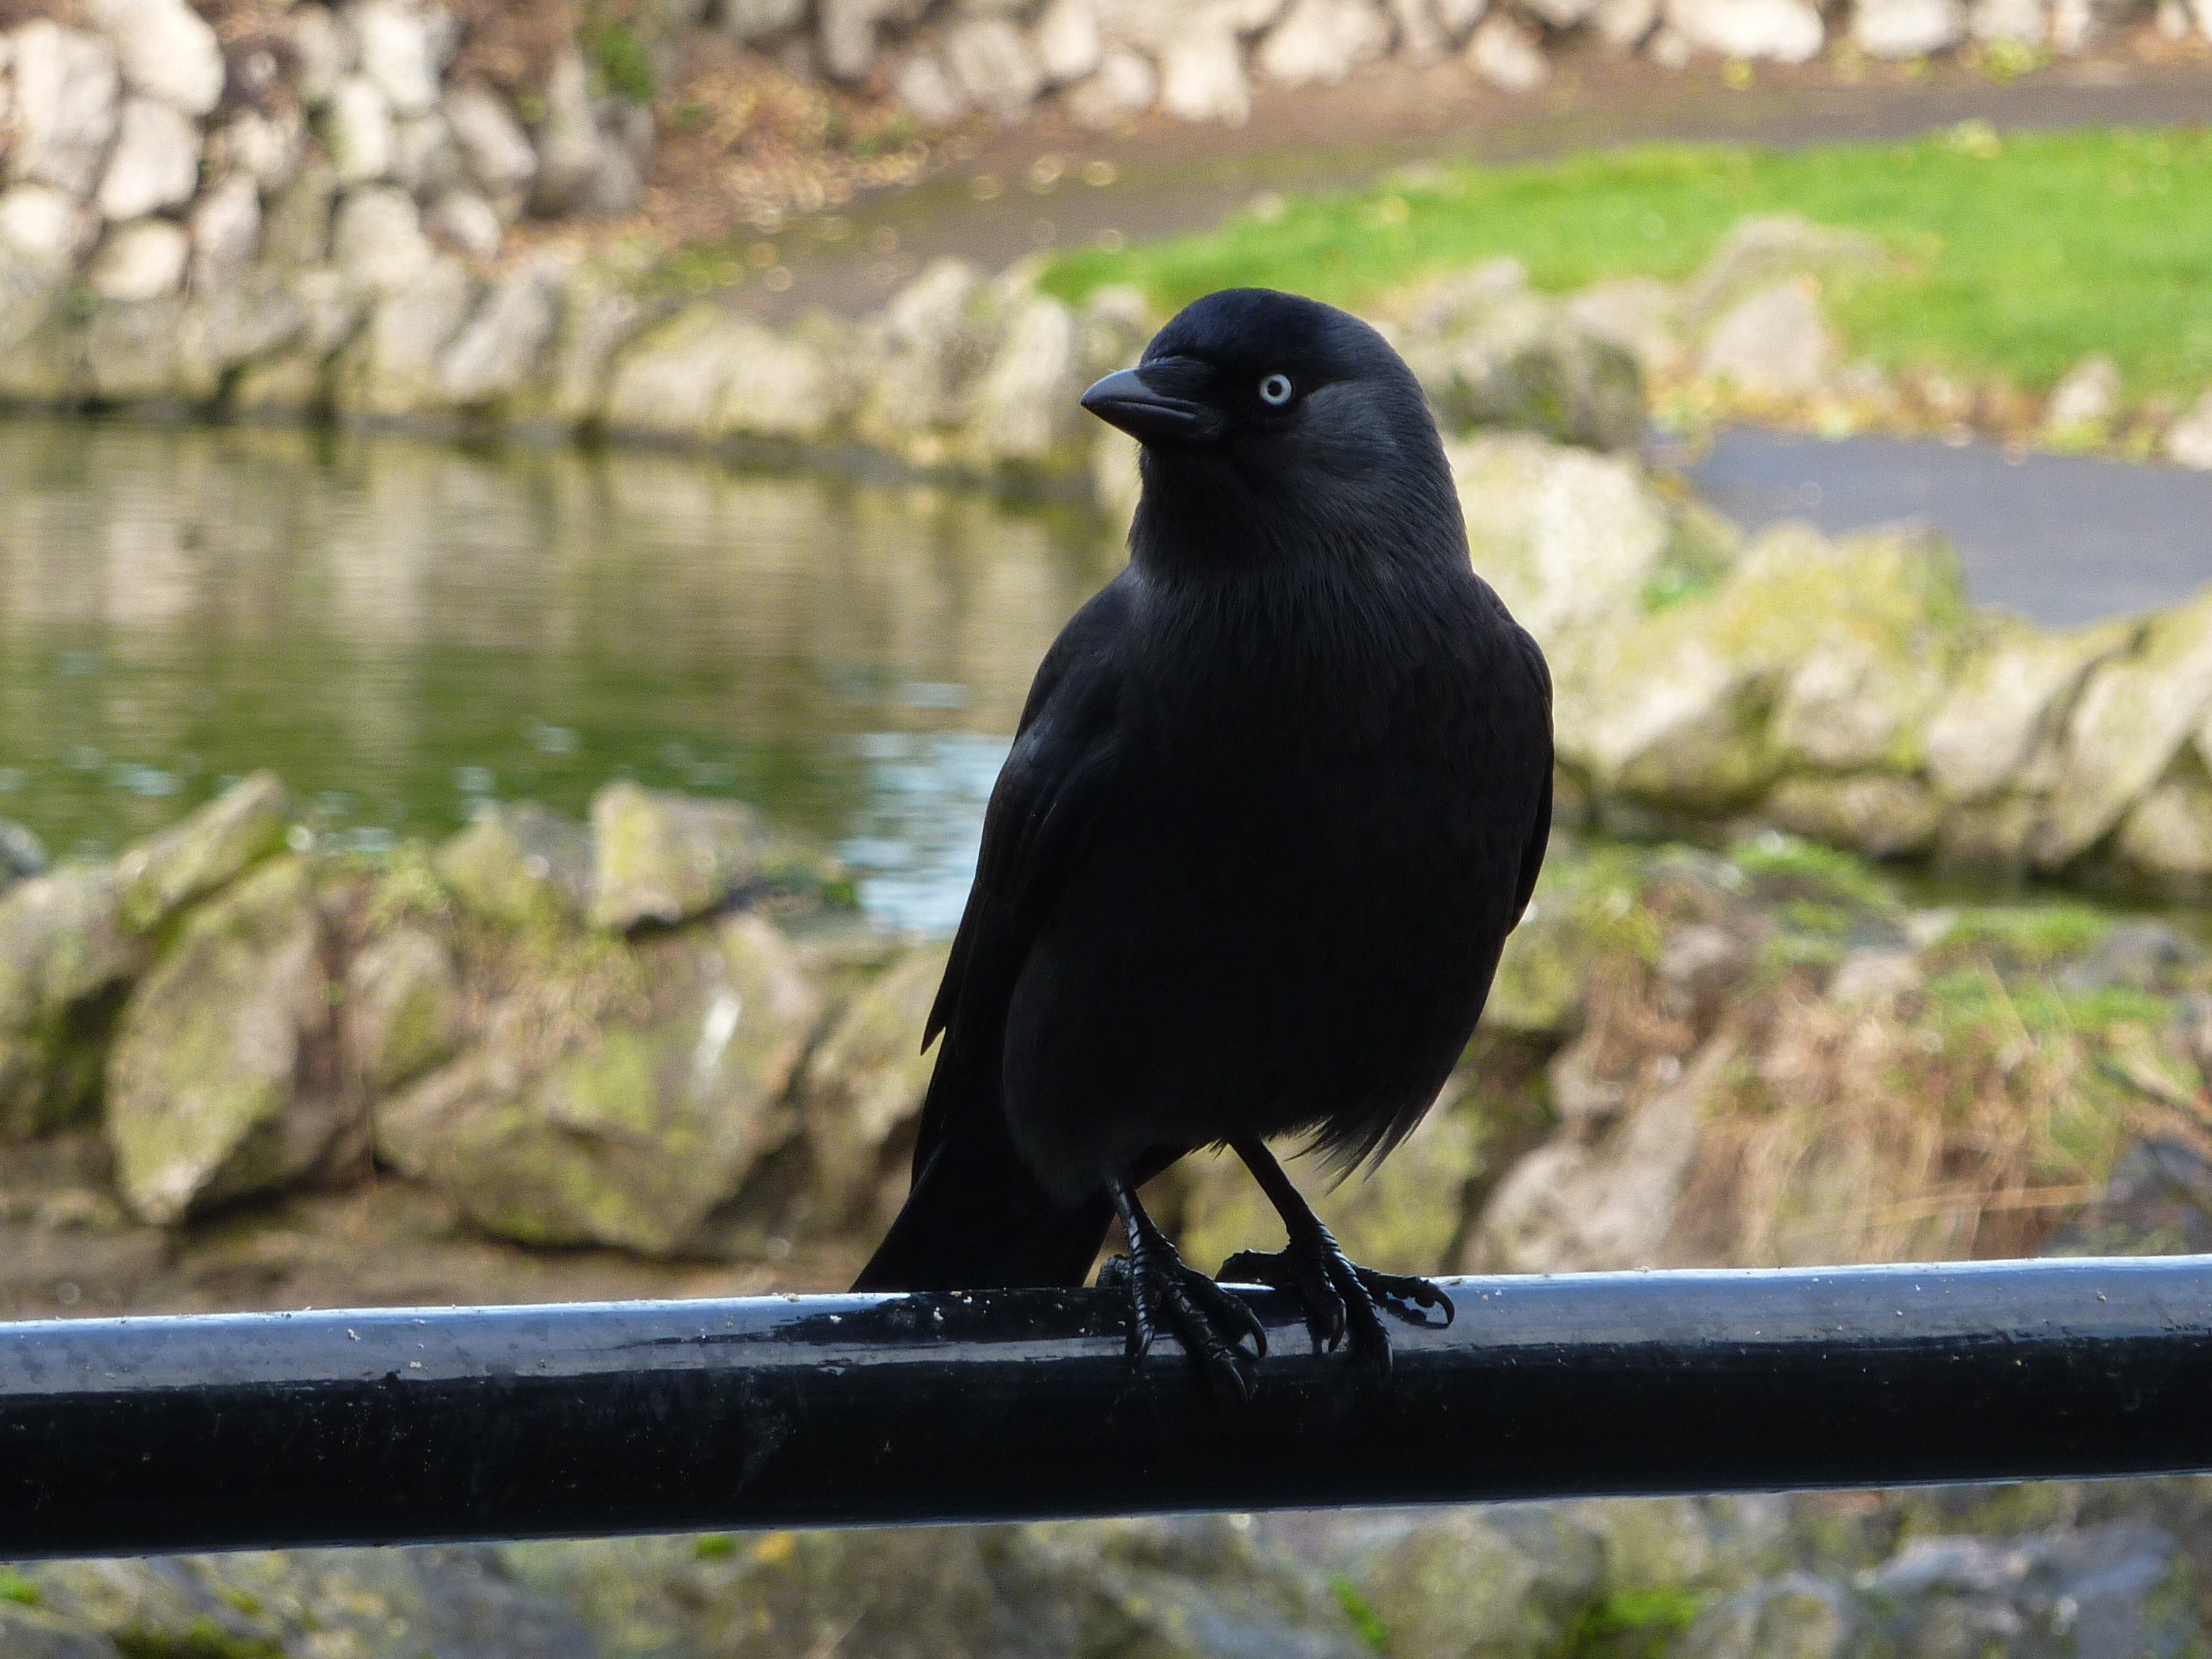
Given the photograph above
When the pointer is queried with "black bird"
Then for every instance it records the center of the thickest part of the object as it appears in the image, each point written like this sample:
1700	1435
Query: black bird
1280	791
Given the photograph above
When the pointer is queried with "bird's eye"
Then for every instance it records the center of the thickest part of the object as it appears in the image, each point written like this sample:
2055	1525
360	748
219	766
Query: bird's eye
1275	391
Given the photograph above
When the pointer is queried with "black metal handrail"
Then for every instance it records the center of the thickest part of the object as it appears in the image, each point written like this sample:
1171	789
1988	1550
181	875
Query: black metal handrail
122	1436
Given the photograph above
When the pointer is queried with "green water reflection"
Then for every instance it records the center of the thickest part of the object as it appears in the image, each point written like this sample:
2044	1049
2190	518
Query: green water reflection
404	630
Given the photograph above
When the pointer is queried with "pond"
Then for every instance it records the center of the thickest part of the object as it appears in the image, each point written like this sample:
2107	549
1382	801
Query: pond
406	630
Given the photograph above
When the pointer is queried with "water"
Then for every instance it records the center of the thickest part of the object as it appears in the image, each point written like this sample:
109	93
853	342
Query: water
405	631
2059	538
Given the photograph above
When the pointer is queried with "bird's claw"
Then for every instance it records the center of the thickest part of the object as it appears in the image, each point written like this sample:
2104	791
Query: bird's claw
1344	1302
1211	1325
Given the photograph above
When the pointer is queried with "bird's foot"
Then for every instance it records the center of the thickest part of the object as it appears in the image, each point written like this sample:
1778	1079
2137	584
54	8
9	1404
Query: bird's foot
1343	1303
1211	1325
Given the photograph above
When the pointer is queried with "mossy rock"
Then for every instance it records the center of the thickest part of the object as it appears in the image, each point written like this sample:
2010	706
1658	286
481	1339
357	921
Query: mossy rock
662	859
209	1095
64	963
866	1079
190	860
401	1007
519	866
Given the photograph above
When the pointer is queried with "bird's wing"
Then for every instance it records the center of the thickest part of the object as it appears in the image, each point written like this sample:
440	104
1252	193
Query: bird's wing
1540	831
1042	812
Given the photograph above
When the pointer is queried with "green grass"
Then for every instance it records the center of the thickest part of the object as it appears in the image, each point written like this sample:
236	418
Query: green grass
2016	256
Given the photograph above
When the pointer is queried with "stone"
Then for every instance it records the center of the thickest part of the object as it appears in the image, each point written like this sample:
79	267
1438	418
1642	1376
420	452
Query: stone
1202	76
2168	835
144	259
494	146
21	854
706	369
1907	28
166	51
1124	87
377	240
264	145
784	388
226	231
64	961
748	21
155	163
250	315
467	223
2189	440
296	222
568	139
1784	31
403	47
425	160
928	90
2120	1589
323	311
1877	813
1509	1581
2131	720
1565	537
1459	17
519	866
401	1010
1068	42
863	1083
1641	315
1625	24
1860	703
211	1088
1771	346
663	858
2084	403
1322	41
1026	412
1507	56
325	51
1796	1616
598	321
2157	1201
357	132
2018	22
846	32
393	367
44	227
495	357
1421	34
129	350
206	851
1489	352
30	1632
625	143
1562	14
642	1124
1770	248
67	92
2009	701
993	64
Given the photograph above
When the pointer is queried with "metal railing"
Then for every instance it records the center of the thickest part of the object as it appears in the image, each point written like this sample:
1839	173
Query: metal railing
120	1436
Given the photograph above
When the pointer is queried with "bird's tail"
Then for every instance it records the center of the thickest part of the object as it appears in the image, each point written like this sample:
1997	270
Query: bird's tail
977	1218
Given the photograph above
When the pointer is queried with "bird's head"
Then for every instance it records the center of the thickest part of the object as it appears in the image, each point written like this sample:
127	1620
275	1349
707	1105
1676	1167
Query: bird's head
1267	418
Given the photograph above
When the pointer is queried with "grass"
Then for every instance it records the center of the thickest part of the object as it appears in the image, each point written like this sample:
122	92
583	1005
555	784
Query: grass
2016	255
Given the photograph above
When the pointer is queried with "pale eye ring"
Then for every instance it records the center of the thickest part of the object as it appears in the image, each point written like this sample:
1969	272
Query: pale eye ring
1275	391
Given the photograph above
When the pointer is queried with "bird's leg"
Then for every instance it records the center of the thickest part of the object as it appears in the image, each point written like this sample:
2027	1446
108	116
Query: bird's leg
1341	1300
1210	1324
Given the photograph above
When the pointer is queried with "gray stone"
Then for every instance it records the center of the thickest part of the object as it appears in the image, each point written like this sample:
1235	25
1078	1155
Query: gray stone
402	1008
748	21
625	143
155	163
521	865
2085	403
144	259
44	227
1785	30
1907	28
1512	1582
2189	440
1421	34
2143	954
129	352
425	160
2117	1591
927	90
663	858
863	1083
633	1131
1767	249
1796	1616
296	222
1625	24
211	1090
1506	55
206	851
495	357
1771	346
67	88
21	854
597	322
846	33
2020	22
1489	353
695	374
1641	315
494	146
1562	14
264	145
166	51
377	240
1861	702
64	959
325	51
1323	40
2131	720
568	139
226	231
1877	813
358	132
403	47
466	222
2009	702
251	315
994	66
30	1632
1026	412
393	367
1068	42
2168	835
1203	75
1124	87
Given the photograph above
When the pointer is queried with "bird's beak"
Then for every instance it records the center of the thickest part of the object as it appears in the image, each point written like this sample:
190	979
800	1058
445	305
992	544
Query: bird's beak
1141	403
